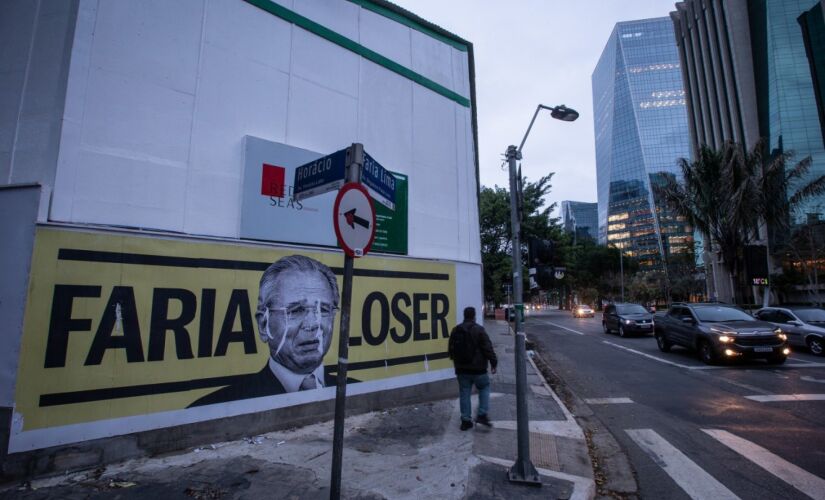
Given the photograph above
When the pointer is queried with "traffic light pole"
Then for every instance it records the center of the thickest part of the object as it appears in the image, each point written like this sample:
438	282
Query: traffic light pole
523	470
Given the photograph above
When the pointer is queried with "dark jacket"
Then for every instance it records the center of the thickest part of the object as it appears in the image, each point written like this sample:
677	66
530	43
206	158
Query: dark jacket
484	350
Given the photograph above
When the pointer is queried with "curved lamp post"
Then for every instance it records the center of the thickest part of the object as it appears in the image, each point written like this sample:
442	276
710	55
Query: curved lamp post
523	471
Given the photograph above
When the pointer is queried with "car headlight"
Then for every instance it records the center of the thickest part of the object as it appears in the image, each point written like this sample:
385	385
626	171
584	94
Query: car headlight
628	321
782	335
725	339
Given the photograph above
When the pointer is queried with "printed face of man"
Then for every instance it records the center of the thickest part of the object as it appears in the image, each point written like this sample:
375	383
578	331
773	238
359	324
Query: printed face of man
299	320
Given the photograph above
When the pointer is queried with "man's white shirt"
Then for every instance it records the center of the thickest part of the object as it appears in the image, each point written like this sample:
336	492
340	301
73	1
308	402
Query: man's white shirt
291	380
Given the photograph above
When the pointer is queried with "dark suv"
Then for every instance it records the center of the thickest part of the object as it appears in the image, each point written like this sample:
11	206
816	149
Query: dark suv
626	319
720	331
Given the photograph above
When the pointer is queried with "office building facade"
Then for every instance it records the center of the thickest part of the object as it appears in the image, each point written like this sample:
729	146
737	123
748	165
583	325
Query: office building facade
580	219
148	161
752	70
641	132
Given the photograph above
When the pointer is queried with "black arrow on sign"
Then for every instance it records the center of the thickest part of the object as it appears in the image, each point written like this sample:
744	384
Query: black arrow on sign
353	219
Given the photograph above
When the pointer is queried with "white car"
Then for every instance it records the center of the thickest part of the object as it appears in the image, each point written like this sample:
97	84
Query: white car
804	326
583	311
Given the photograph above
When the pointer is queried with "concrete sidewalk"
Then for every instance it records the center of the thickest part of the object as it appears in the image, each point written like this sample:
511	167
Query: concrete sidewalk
405	452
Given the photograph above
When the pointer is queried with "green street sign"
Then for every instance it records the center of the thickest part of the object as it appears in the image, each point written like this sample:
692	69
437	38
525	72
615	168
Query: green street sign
391	225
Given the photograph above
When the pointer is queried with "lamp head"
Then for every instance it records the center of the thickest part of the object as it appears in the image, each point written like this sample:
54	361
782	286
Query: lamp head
564	113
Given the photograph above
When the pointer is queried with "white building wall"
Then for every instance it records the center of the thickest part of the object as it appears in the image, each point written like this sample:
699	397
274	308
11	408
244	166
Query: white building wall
160	95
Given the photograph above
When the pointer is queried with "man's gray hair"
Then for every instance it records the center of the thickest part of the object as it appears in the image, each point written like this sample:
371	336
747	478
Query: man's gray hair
294	263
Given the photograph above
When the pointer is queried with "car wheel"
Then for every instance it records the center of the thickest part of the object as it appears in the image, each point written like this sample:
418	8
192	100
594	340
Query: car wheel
816	346
605	328
706	353
777	360
663	343
622	333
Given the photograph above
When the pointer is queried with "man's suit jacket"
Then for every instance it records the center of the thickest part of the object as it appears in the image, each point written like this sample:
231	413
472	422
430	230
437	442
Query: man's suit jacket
254	385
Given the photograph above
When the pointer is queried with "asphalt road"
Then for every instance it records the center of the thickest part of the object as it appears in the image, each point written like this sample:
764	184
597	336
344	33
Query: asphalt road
747	430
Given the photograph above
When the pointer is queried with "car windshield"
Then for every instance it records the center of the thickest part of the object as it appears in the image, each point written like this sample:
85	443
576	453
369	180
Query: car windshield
584	307
712	314
631	309
811	315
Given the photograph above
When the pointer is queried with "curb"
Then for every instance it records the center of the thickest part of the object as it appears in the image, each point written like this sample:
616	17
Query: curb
613	475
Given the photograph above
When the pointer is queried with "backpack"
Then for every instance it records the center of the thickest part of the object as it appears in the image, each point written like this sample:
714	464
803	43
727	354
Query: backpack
464	349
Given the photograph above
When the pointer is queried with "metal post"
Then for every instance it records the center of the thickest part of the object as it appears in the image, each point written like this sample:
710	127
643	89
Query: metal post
523	470
355	158
621	271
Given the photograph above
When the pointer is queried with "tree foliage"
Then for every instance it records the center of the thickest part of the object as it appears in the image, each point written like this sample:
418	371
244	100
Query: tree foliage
727	193
594	267
494	219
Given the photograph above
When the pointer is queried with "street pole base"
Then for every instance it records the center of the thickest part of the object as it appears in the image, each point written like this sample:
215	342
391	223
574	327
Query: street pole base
523	472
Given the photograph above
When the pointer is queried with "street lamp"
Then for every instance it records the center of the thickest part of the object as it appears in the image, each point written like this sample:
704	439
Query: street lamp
523	470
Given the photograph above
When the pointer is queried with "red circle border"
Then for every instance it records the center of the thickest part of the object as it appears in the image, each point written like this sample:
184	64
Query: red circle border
347	187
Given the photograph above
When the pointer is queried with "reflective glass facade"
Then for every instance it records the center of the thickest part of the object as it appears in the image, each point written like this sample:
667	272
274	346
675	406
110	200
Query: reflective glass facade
641	132
813	33
580	219
788	109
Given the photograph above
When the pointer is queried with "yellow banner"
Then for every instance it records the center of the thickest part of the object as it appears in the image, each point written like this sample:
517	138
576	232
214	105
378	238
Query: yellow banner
120	325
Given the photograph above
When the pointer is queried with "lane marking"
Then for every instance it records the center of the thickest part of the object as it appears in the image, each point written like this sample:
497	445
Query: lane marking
562	327
607	401
799	478
804	360
700	367
727	380
697	483
584	488
811	379
770	398
810	365
640	353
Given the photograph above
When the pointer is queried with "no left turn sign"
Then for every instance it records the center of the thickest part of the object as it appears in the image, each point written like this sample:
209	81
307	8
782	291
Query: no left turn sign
354	219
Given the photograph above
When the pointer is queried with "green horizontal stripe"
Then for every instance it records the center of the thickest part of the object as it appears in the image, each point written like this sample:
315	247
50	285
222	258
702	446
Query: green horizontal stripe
328	34
406	21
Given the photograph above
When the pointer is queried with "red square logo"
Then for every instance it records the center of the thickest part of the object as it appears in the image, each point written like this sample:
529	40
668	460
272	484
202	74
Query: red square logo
272	181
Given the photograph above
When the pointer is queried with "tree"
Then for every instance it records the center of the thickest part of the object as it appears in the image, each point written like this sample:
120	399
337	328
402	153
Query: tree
684	277
591	266
727	193
712	196
805	252
494	221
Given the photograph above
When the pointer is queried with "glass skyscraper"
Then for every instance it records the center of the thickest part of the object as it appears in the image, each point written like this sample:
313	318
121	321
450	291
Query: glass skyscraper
641	132
788	107
580	218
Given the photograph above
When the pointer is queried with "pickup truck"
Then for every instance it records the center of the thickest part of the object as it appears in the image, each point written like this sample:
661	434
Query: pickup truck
720	332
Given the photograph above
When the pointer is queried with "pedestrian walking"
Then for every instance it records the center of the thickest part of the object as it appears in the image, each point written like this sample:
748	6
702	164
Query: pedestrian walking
470	349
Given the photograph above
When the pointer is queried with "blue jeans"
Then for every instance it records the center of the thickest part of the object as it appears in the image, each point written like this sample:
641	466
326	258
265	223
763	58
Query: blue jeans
465	388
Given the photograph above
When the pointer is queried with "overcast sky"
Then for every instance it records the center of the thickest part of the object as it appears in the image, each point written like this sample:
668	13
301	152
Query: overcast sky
529	52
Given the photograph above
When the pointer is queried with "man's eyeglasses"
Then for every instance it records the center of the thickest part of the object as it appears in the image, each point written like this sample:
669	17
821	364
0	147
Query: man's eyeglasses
297	312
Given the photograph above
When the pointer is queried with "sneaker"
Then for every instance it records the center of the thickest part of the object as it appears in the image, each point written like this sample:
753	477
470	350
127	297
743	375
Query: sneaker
466	424
484	420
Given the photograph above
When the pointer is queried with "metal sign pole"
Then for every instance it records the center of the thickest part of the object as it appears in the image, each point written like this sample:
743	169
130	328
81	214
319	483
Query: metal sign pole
355	159
523	470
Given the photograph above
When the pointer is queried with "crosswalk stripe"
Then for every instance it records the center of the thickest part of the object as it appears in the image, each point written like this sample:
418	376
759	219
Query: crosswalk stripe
607	401
797	477
770	398
697	483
